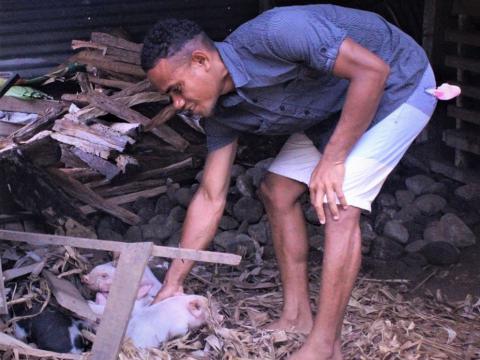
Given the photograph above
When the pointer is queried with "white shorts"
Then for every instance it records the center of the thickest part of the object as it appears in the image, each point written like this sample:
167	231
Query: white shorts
370	161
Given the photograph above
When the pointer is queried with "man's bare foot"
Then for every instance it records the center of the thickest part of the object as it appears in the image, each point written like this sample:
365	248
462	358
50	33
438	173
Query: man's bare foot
307	352
303	326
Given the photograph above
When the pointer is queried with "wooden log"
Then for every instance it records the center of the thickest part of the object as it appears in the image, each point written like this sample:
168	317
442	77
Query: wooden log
3	299
69	297
24	270
127	164
129	187
7	128
166	171
128	129
85	194
102	62
116	84
123	55
104	167
41	149
123	293
87	146
9	103
31	187
128	198
113	41
81	44
118	246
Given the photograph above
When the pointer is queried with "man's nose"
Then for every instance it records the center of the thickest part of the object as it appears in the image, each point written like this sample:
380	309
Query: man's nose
178	102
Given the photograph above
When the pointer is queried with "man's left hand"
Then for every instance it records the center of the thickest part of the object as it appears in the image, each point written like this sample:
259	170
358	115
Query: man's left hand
327	180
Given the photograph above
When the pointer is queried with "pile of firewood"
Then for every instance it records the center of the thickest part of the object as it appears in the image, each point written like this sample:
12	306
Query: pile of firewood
97	148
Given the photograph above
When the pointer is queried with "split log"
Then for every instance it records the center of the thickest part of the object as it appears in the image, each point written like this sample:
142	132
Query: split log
107	63
35	268
7	128
127	164
81	44
9	103
113	41
85	194
166	171
104	167
87	146
129	187
31	187
3	299
117	84
123	55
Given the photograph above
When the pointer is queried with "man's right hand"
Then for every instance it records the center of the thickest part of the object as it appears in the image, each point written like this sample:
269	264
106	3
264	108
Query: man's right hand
168	291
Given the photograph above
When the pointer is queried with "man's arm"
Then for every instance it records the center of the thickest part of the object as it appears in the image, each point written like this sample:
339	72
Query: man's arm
367	74
203	215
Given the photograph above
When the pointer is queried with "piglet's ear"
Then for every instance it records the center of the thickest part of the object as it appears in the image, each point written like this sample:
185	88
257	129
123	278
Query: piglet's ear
143	291
196	308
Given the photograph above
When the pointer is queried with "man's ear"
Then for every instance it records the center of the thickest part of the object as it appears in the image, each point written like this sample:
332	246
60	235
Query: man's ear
201	58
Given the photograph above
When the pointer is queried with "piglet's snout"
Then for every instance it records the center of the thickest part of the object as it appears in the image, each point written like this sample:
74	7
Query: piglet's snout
85	279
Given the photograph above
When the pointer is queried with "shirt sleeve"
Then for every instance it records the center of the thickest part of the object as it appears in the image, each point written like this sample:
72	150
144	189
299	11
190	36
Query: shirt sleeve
304	37
218	135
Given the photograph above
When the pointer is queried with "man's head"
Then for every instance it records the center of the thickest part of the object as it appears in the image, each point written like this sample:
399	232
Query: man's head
181	60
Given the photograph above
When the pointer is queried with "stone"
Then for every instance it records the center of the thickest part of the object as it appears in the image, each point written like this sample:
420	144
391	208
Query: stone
221	240
260	232
143	204
109	234
311	215
380	221
248	209
134	234
228	223
242	245
366	230
244	185
404	197
256	174
396	231
415	259
183	196
158	219
146	213
199	175
108	223
386	200
450	229
430	204
178	213
237	170
407	213
436	188
415	246
174	240
384	248
164	205
317	241
441	253
418	183
171	190
468	192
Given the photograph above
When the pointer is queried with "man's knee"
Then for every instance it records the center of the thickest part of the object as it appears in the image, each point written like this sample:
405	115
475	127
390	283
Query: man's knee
279	192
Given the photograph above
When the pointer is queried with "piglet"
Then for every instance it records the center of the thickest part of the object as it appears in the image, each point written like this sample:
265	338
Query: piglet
174	316
100	278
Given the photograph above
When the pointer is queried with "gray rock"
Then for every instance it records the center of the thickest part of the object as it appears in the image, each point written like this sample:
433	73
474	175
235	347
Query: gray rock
106	225
160	232
468	192
242	245
183	196
199	175
134	234
171	190
430	204
380	221
237	170
404	197
221	240
415	259
265	163
311	215
260	232
317	242
228	223
248	209
108	234
164	205
418	183
415	246
368	235
436	188
450	229
158	219
386	200
256	174
384	248
144	203
178	213
407	213
174	240
441	253
396	231
244	185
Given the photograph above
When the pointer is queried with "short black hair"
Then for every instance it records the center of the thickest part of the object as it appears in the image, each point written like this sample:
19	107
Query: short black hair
166	38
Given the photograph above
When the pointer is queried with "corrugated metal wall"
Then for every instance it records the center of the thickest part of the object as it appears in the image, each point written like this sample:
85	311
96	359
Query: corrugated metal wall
35	35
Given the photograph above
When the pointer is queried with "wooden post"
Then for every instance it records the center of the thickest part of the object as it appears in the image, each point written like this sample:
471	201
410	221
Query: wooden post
3	300
123	293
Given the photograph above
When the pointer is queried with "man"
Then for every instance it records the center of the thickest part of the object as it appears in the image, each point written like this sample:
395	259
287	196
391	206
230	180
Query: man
286	72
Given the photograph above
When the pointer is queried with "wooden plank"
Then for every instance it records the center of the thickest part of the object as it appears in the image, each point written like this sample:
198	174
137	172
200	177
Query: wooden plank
118	246
103	62
129	187
110	40
463	63
69	297
85	145
462	140
117	84
7	128
123	55
167	170
24	270
469	90
128	198
466	176
9	103
470	116
123	293
85	194
3	299
463	37
104	167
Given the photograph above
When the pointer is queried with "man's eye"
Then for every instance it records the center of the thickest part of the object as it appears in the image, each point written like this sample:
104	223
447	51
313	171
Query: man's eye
177	90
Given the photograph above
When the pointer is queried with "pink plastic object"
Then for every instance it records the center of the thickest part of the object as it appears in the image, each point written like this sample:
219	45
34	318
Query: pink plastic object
445	91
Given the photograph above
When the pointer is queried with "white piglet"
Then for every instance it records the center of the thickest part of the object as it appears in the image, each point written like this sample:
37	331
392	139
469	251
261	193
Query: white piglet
174	316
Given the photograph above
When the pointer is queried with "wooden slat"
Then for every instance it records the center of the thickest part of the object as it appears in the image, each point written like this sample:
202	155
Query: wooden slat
118	246
85	194
110	40
463	63
3	300
462	140
9	103
24	270
103	62
463	37
129	187
470	116
466	176
469	90
129	272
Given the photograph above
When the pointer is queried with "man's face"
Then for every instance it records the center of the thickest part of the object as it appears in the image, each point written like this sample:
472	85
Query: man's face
192	84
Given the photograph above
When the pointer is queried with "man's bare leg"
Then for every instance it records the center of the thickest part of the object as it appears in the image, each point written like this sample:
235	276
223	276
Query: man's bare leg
341	262
280	197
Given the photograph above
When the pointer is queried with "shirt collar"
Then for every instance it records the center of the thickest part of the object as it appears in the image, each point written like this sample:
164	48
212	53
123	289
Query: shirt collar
233	63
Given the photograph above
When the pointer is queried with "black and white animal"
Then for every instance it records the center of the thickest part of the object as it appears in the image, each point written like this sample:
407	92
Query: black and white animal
51	330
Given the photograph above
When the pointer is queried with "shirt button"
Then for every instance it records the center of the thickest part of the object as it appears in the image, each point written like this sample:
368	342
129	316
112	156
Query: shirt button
323	50
282	107
306	112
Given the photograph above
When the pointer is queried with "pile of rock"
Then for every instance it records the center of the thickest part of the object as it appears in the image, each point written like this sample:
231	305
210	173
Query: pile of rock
417	219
